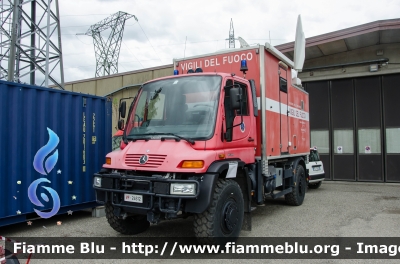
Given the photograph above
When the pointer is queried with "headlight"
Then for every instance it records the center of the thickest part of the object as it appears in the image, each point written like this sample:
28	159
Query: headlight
97	181
183	188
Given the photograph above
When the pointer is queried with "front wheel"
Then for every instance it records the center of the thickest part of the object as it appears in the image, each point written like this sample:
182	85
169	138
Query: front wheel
131	225
296	197
223	219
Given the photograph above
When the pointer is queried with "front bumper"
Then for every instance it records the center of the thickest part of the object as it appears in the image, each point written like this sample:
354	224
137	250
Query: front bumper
155	192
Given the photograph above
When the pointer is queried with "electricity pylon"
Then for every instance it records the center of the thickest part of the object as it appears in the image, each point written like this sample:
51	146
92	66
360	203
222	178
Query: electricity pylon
31	42
107	52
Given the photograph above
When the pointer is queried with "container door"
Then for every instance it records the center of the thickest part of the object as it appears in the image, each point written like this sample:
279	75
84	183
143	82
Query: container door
284	120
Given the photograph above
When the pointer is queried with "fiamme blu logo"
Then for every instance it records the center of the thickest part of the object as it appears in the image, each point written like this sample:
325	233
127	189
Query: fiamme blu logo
44	161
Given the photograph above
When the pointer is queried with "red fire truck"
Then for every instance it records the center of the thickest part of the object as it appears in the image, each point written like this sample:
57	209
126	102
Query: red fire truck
225	132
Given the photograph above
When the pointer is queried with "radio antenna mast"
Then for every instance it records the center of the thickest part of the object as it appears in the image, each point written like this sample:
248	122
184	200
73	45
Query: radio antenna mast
231	36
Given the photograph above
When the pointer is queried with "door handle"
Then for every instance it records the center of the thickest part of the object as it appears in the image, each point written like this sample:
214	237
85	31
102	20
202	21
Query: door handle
250	139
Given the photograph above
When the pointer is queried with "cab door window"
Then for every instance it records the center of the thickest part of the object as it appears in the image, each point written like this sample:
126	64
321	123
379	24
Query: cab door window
230	114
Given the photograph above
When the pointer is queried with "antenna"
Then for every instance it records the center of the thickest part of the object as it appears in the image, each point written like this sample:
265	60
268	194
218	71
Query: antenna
184	54
269	34
231	36
184	51
299	46
107	52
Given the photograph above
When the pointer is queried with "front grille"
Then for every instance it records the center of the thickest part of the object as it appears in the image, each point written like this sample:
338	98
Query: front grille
154	161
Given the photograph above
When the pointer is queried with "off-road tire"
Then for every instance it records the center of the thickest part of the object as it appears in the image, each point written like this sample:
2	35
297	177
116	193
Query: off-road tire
131	225
296	197
315	185
223	219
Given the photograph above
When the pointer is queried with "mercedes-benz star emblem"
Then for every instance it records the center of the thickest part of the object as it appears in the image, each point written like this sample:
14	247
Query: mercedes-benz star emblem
143	159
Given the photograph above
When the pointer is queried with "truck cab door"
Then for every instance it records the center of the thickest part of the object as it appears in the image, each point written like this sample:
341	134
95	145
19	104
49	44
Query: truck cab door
235	133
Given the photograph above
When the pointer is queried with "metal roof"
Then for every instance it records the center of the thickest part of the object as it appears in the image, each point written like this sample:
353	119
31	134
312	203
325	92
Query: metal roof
121	74
370	34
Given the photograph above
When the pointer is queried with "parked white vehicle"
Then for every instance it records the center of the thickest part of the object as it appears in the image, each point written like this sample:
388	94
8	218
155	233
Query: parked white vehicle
315	170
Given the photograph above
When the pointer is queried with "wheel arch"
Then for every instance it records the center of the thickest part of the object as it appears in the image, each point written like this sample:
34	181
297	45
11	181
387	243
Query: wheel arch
218	170
299	161
242	178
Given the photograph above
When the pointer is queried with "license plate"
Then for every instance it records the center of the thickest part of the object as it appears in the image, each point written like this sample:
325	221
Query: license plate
316	168
135	198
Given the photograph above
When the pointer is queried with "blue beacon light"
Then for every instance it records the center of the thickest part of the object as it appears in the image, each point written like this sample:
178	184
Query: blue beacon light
243	67
176	72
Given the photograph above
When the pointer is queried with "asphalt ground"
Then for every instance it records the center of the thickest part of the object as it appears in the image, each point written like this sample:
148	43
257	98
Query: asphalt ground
336	209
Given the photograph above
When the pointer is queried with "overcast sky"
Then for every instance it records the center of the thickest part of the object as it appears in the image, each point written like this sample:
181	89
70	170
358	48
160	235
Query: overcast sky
163	26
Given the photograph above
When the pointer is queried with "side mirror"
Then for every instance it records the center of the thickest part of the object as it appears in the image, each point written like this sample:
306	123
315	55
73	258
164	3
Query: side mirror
236	97
121	124
122	109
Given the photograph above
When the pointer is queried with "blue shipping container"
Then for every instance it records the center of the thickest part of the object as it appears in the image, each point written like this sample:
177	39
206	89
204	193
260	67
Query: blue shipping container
51	144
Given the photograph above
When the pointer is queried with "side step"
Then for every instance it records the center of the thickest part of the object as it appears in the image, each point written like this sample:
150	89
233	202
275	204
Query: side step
98	211
279	194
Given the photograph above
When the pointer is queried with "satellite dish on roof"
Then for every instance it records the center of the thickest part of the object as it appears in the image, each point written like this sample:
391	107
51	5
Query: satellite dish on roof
243	43
299	46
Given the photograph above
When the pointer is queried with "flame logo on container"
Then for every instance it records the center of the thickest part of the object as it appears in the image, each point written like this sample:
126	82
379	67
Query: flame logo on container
44	151
49	163
34	199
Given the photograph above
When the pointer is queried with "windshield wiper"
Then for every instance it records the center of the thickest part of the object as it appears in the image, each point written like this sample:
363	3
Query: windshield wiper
133	137
191	141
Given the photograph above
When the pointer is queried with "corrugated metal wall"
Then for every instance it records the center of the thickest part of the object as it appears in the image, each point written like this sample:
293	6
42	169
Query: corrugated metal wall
28	114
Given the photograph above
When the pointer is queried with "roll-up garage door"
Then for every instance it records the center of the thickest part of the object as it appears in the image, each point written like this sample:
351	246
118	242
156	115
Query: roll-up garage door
319	121
369	129
391	106
343	129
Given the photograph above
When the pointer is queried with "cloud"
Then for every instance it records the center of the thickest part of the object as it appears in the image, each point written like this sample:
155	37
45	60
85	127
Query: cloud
163	26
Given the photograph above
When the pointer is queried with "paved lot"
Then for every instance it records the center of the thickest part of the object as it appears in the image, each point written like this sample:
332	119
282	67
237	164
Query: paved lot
336	209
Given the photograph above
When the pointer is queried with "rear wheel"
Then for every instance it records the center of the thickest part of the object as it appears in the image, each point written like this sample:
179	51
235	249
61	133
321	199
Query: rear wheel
223	219
314	185
131	225
296	197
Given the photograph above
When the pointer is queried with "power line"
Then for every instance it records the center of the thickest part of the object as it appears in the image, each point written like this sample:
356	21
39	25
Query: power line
132	54
77	67
150	42
81	40
86	15
131	25
127	62
76	26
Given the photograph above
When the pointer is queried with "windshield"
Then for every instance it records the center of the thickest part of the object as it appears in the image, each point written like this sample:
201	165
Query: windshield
185	106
